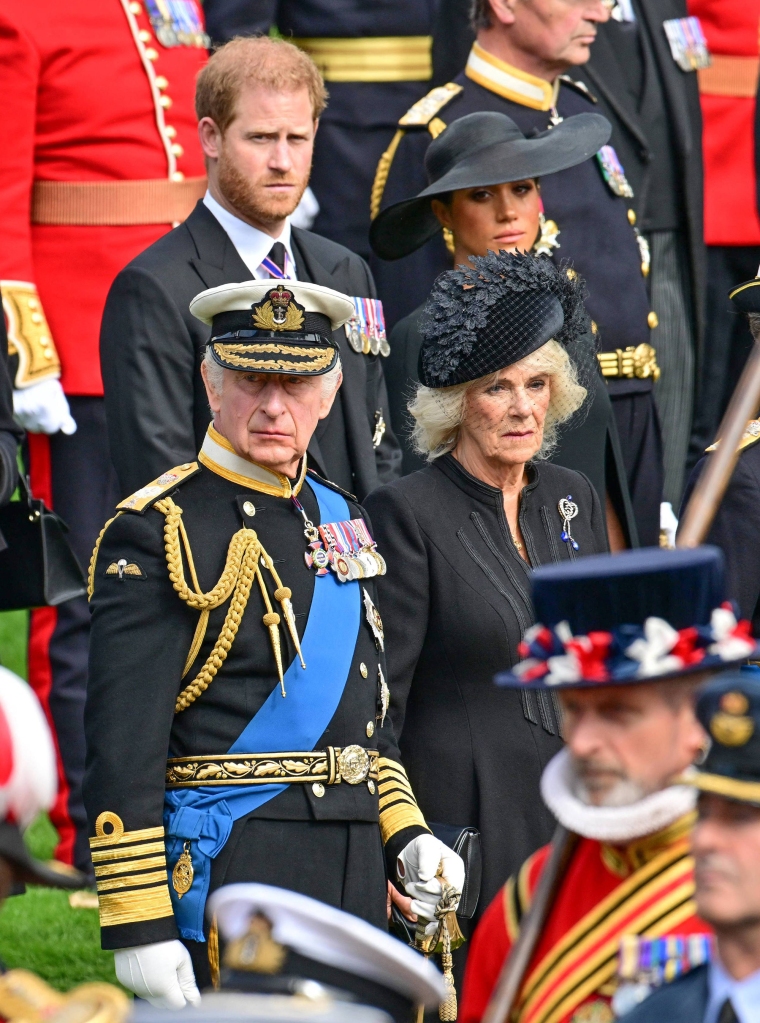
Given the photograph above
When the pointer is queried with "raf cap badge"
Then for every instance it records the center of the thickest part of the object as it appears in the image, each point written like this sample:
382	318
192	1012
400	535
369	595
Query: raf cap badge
732	726
278	310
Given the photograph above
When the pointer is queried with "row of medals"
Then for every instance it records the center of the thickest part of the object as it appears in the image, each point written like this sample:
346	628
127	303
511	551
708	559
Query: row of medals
363	564
363	343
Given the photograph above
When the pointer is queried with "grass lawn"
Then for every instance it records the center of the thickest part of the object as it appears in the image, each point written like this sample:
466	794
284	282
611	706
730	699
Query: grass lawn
39	930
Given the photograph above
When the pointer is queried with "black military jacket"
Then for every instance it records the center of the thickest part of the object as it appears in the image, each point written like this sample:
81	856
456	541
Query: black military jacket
141	635
594	229
151	347
456	603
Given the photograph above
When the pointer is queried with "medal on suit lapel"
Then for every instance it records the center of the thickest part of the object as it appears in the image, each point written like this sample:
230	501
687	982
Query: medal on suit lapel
183	873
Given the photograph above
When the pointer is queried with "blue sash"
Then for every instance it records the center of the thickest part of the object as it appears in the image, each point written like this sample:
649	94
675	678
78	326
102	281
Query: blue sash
204	816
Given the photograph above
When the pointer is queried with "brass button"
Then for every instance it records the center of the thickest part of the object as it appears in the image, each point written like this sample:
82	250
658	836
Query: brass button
151	54
165	102
177	149
178	176
318	789
370	729
653	320
371	787
161	82
248	508
631	217
186	465
363	669
32	303
48	354
144	36
170	131
135	8
36	317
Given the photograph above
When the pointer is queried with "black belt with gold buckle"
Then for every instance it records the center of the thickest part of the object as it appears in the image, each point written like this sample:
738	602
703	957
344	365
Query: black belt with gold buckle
350	764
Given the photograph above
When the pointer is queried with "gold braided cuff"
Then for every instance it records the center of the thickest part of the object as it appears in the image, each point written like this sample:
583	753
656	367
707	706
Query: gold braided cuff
28	334
125	860
398	807
629	363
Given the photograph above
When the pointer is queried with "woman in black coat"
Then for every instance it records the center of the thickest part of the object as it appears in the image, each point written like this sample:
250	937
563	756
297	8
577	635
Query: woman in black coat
506	355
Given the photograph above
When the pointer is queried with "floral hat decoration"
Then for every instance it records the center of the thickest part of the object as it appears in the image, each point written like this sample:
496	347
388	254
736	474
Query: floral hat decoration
639	616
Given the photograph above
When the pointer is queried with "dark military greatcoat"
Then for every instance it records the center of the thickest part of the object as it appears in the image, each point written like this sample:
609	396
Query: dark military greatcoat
171	547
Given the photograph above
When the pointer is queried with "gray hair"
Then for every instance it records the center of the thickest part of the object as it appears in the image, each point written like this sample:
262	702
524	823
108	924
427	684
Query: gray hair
439	412
215	374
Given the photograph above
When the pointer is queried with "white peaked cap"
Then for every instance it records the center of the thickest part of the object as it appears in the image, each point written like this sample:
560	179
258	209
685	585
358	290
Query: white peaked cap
229	298
28	776
330	936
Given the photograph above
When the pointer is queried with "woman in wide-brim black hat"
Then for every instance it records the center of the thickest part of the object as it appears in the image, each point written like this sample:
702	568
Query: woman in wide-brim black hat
484	194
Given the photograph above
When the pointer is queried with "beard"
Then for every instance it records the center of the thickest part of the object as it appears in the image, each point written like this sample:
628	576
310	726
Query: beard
252	199
618	789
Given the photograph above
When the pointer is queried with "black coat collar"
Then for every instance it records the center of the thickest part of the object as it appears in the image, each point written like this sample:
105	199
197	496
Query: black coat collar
476	488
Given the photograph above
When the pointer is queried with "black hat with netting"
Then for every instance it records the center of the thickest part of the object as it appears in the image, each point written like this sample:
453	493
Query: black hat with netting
483	318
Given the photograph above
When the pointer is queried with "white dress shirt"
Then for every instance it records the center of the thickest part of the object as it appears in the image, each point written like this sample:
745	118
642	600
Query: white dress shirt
744	995
252	245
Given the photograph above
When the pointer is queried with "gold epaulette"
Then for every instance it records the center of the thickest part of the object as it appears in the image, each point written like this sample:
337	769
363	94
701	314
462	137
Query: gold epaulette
422	115
398	807
580	87
751	436
130	872
28	334
146	496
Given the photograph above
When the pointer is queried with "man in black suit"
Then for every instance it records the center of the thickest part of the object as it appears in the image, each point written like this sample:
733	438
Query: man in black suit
653	105
257	134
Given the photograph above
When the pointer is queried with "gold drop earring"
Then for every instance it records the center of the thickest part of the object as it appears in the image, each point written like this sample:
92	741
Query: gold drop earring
448	237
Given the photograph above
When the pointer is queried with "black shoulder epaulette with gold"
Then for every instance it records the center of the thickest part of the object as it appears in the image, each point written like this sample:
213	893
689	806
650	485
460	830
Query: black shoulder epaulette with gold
143	498
580	87
750	436
425	109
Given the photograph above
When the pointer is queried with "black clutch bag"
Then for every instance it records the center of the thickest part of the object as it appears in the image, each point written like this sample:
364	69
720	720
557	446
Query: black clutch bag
37	566
466	843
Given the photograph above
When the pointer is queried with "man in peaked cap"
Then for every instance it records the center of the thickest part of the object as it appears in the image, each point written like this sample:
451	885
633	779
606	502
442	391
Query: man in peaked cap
623	642
726	846
233	599
736	526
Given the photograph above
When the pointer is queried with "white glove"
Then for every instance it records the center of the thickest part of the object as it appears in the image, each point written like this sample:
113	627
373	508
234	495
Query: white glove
668	523
42	408
417	865
162	973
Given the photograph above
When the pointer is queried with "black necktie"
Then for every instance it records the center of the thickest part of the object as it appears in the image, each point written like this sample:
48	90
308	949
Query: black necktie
727	1013
277	255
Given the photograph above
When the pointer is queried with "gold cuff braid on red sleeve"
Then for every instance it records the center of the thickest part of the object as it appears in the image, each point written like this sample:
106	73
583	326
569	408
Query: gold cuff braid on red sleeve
29	334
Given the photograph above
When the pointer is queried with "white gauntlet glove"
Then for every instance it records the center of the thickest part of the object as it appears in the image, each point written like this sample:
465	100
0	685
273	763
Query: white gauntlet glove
42	408
162	973
417	865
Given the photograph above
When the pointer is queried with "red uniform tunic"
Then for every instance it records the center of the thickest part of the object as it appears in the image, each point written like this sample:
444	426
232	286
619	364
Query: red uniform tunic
727	90
89	94
645	888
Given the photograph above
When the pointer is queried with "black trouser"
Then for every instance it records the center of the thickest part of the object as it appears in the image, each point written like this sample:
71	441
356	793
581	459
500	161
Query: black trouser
84	492
728	341
337	862
641	444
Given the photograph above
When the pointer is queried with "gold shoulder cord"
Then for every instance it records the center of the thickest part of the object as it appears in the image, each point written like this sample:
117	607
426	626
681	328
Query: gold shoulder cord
94	558
244	557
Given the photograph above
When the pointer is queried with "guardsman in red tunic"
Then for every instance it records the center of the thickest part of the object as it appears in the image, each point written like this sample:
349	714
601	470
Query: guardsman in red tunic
727	89
625	642
100	158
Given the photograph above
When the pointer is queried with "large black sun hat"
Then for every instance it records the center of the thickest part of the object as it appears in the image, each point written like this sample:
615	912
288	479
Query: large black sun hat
483	318
481	149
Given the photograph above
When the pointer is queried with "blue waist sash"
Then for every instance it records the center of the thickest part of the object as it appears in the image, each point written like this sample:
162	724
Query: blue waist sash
204	816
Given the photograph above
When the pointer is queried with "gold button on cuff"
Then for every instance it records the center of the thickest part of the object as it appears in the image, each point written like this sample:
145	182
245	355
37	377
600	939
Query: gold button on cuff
371	787
32	303
653	320
249	509
631	217
144	36
318	789
161	82
151	54
363	669
370	729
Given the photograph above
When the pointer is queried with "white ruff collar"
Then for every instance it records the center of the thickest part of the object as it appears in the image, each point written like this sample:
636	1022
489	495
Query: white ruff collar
508	81
616	824
218	455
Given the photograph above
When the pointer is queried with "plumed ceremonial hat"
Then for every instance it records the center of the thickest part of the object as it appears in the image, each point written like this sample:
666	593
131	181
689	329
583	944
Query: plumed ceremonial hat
483	318
275	937
481	149
746	296
638	616
273	326
729	711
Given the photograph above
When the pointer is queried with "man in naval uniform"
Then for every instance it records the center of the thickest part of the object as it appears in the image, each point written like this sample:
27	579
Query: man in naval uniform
624	643
235	631
258	103
516	67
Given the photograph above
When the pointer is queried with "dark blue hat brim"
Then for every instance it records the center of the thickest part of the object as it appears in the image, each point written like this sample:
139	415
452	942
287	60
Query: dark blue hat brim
405	226
746	297
737	789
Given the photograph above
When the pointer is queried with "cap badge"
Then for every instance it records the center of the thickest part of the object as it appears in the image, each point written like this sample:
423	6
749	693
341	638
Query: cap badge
256	951
278	310
731	726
